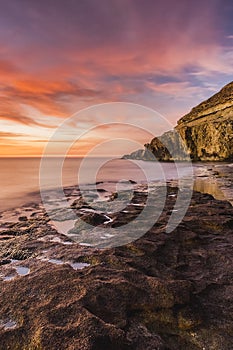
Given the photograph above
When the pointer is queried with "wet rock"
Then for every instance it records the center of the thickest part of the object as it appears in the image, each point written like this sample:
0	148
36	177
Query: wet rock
101	190
61	214
5	261
93	218
23	218
80	203
163	291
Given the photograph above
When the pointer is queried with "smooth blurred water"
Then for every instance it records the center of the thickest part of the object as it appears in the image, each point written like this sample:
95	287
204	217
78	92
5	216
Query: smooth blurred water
19	177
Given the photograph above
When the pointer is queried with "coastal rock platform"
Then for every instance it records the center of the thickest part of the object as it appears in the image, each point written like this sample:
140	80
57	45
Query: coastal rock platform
163	291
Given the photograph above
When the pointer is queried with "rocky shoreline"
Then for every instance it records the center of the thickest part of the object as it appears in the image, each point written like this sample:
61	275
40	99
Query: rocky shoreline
163	291
204	134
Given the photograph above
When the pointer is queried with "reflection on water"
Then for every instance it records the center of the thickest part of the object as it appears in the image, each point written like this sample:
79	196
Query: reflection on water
19	270
8	324
209	186
215	179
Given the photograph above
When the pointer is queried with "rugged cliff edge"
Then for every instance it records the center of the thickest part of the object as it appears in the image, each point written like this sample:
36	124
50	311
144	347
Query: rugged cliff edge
206	133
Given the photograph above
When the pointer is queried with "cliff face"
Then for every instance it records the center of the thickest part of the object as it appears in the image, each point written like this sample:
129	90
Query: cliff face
206	133
168	147
208	129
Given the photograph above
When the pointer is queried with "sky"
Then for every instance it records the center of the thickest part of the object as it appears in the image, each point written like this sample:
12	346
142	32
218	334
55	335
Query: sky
58	57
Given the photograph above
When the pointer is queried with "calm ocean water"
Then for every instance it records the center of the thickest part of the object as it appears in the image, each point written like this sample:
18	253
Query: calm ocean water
19	177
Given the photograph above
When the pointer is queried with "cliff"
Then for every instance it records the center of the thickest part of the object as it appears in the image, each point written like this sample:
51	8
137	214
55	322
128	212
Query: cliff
206	133
208	129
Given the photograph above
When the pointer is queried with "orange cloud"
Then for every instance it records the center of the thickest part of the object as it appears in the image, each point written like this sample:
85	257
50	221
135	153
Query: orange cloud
93	52
5	134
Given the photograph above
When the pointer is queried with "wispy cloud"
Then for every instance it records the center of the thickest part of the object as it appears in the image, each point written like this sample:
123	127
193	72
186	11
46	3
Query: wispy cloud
5	134
56	61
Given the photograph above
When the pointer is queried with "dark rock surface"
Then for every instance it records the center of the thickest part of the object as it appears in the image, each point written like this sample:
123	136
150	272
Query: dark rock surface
164	291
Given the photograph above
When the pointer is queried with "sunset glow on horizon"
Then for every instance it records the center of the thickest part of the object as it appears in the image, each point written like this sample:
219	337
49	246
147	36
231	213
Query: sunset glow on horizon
60	57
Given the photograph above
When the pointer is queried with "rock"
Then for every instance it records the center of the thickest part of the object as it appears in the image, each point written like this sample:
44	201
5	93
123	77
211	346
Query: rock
141	155
5	261
113	196
132	182
208	129
61	214
79	203
93	218
86	220
167	147
159	150
205	133
128	181
23	218
163	291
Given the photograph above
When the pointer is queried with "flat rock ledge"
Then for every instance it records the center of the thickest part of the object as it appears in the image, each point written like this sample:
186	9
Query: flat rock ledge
163	291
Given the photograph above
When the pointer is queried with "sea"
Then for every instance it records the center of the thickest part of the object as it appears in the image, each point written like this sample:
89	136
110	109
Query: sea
21	179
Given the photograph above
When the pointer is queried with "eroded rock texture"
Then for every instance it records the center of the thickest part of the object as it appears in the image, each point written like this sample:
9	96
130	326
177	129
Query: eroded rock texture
208	129
164	291
206	133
